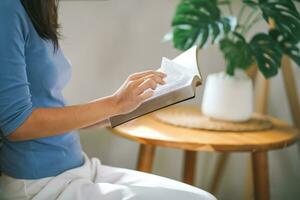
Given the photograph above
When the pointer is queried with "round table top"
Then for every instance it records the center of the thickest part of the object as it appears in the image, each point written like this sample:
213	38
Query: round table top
149	130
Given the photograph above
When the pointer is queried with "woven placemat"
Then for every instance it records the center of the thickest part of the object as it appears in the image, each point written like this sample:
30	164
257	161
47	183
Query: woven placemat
192	118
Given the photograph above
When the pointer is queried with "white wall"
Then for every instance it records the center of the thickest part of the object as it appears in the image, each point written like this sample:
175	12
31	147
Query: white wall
108	40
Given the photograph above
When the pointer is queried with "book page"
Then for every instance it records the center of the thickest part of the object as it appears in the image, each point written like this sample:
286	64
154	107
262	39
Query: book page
188	61
177	77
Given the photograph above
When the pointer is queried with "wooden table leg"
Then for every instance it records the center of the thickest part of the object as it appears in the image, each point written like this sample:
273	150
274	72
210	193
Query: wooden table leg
218	172
145	158
190	159
249	180
260	175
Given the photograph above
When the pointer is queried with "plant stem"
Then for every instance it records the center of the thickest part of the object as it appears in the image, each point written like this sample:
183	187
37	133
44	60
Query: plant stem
241	12
254	21
229	5
230	70
247	21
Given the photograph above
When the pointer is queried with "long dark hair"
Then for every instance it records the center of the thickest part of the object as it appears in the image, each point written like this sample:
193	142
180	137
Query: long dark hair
43	14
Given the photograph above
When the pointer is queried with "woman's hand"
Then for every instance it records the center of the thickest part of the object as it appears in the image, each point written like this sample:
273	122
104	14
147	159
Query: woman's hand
135	90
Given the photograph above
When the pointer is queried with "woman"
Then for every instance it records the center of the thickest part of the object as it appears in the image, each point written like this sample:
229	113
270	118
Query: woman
41	156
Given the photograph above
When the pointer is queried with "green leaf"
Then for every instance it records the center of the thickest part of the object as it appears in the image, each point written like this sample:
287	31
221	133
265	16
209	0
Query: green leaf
288	46
283	12
237	53
198	21
267	54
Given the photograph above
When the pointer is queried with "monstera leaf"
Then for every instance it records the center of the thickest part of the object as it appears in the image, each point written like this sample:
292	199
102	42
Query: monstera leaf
267	54
288	46
197	21
237	53
283	12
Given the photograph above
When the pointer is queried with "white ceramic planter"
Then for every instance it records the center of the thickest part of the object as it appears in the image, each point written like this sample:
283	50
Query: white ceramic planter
227	97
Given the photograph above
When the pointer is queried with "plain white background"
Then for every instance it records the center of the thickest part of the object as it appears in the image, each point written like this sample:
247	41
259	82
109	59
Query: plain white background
108	40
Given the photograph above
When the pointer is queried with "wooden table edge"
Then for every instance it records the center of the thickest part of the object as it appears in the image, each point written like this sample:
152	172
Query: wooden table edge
207	147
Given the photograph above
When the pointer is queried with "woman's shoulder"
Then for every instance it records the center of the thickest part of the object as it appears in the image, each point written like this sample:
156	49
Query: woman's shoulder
12	10
10	6
12	14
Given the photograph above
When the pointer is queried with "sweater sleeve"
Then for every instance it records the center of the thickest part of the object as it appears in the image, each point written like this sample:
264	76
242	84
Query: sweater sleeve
15	98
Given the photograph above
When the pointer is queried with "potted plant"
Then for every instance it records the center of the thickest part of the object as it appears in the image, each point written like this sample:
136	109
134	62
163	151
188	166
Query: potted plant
228	95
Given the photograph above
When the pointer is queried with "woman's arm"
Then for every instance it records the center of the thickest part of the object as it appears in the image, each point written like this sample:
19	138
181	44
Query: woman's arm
45	122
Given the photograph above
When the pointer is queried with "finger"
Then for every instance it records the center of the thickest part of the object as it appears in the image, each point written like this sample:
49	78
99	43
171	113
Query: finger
146	73
146	95
156	78
147	84
139	75
161	74
136	83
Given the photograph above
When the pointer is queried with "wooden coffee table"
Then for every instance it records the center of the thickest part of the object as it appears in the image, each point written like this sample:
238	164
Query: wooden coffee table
150	133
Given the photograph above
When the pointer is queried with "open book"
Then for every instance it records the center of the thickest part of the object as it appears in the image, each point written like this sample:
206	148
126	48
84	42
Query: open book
183	76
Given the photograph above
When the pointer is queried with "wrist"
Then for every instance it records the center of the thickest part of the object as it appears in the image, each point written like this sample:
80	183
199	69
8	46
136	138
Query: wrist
114	105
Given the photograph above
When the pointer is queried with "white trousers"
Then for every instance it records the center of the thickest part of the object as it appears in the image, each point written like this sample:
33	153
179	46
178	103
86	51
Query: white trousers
94	181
